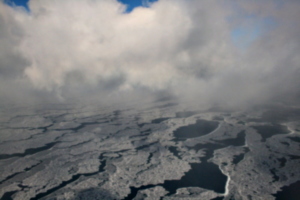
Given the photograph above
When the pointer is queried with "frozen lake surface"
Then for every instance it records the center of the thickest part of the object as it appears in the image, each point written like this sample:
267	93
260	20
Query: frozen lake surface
157	150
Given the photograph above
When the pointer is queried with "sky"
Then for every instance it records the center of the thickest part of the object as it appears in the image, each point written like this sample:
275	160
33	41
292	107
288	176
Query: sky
22	3
131	4
242	37
228	53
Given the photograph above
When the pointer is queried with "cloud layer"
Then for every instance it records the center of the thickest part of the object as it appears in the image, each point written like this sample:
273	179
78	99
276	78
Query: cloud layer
69	49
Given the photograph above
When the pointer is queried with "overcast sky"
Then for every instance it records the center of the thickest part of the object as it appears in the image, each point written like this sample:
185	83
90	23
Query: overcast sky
230	53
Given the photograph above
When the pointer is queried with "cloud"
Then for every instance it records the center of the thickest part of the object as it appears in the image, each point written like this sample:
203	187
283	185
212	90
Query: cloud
67	49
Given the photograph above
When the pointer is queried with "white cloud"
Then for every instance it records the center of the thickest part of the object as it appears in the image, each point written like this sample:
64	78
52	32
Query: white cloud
183	47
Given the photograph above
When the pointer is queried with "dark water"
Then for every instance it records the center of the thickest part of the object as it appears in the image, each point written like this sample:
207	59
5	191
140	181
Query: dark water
211	147
285	143
145	146
185	114
8	195
238	141
202	127
134	191
295	139
267	131
240	157
241	122
28	151
275	176
205	175
174	151
93	194
282	161
294	157
149	158
159	120
290	192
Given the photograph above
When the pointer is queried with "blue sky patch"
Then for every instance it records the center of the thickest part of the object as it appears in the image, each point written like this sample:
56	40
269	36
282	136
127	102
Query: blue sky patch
244	36
23	3
131	4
